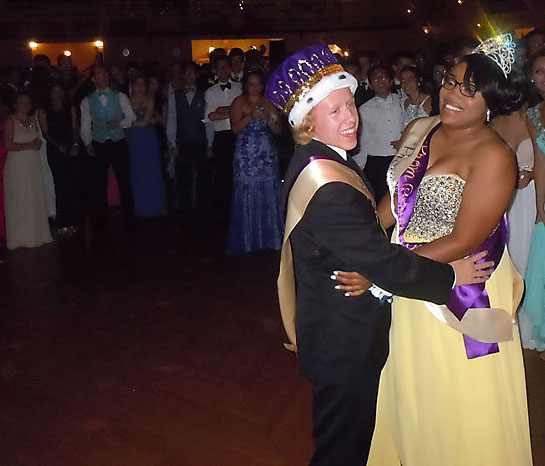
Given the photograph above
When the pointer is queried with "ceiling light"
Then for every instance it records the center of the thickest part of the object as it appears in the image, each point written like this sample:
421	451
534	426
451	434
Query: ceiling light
99	43
33	45
67	53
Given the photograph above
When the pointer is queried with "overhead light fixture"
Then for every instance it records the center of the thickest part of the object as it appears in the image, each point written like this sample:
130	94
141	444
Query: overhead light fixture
99	43
478	25
426	28
409	10
460	2
67	53
211	49
33	45
346	53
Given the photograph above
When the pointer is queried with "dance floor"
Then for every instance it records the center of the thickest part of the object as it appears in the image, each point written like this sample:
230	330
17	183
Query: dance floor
153	349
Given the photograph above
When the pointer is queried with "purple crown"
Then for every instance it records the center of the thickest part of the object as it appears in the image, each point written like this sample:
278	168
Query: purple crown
298	74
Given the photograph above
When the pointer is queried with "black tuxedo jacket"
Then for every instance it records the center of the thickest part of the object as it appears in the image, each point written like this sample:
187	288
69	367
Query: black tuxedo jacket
340	231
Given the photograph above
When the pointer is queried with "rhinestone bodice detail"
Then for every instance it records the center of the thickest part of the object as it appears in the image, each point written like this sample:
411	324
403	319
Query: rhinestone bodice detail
436	208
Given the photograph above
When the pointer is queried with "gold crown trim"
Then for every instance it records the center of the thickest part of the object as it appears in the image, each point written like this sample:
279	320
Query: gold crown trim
304	88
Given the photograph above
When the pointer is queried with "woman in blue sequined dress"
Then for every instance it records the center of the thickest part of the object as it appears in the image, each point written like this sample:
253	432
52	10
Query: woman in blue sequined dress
255	222
148	188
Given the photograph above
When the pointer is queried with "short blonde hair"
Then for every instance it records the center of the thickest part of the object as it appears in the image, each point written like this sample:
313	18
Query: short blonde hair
302	133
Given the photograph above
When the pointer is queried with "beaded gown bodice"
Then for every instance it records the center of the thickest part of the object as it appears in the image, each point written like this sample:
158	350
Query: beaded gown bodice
436	208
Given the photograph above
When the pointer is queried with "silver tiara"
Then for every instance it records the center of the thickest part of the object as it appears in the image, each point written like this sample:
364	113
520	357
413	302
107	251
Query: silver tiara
501	49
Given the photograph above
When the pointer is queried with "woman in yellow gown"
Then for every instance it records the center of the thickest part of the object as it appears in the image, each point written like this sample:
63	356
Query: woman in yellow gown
449	395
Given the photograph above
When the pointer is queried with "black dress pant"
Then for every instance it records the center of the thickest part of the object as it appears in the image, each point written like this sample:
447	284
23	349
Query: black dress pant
117	154
65	170
193	177
375	171
223	147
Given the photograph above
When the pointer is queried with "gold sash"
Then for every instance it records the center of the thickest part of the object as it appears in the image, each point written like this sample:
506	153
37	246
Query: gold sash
316	174
490	325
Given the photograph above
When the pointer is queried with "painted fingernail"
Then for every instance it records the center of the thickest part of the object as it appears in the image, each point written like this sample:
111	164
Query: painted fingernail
347	294
336	272
333	277
337	287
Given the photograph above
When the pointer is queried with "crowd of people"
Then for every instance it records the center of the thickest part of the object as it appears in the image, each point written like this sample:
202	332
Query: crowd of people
190	140
211	142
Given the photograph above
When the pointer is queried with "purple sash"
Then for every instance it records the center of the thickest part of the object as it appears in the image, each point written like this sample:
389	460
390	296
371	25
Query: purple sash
462	297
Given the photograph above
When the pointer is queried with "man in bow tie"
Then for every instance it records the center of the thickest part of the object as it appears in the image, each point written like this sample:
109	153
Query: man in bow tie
104	116
218	100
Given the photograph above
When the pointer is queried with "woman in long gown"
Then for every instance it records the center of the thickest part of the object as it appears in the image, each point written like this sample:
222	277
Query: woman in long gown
148	187
59	128
533	336
255	222
521	215
453	390
446	397
26	213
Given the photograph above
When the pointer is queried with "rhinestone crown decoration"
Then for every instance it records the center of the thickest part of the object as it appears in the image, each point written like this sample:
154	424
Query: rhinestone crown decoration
501	49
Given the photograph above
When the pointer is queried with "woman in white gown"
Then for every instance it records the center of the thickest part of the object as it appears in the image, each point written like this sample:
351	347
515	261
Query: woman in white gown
522	211
26	211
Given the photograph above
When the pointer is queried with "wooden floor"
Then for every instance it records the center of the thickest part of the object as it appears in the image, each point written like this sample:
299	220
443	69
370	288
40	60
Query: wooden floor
153	349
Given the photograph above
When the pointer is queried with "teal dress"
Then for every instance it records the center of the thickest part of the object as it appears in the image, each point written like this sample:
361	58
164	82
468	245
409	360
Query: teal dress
534	299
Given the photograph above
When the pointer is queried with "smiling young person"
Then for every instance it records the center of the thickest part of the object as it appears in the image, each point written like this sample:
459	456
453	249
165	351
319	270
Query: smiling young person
453	391
331	223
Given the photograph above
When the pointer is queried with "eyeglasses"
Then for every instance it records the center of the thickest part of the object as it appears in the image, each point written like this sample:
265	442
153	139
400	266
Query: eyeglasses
466	89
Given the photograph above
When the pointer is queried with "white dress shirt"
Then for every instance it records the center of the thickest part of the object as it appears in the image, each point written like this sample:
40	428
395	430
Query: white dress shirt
86	120
215	97
380	124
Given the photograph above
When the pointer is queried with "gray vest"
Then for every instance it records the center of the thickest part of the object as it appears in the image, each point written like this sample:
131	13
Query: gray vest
190	128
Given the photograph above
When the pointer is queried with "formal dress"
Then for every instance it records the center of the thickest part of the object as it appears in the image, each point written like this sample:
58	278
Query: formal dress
437	405
521	216
148	187
343	342
26	210
412	112
533	116
255	222
64	167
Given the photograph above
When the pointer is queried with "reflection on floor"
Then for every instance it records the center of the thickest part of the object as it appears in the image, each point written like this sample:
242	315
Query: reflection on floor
151	348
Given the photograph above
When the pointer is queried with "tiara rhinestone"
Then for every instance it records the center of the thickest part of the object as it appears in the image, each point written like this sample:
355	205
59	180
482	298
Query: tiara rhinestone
501	49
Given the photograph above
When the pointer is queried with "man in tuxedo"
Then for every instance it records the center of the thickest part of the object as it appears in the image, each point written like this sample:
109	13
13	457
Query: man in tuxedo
331	224
218	100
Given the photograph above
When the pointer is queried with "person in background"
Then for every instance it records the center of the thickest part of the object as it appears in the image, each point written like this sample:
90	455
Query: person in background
59	128
380	126
187	141
535	41
534	337
26	212
418	103
400	61
148	188
105	114
439	71
218	100
118	79
255	222
462	47
237	64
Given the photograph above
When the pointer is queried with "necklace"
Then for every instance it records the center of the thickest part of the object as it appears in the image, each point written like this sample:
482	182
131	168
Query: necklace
25	123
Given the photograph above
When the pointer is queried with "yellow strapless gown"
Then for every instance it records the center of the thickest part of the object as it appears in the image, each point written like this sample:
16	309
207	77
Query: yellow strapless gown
436	407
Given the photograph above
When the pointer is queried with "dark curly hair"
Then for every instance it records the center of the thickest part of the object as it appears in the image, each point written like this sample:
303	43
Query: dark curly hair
502	95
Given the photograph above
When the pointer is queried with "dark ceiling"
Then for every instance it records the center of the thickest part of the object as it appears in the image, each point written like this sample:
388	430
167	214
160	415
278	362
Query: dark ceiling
78	19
